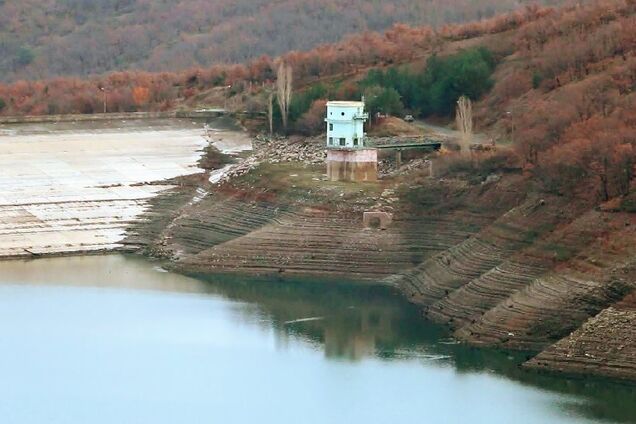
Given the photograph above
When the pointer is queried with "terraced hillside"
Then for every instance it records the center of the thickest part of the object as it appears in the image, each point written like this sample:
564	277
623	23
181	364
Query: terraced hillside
284	222
603	345
468	303
454	268
558	302
501	264
503	288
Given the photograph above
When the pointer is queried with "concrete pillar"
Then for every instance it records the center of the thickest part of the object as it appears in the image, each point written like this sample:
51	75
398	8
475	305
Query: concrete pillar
352	164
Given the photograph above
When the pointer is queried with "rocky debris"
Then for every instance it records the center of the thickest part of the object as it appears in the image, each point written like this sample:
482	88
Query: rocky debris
387	168
605	345
274	149
310	151
492	178
386	202
234	170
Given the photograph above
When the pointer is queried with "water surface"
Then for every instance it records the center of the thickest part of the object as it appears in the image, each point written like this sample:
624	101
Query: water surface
116	339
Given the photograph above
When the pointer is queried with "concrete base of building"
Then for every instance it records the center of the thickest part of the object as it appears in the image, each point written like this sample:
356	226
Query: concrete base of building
352	164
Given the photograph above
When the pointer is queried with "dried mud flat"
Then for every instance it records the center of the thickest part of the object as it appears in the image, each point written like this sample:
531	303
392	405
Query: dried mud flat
75	186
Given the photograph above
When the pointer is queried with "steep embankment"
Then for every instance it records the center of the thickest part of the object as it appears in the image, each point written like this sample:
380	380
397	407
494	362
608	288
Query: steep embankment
532	278
500	266
286	218
603	345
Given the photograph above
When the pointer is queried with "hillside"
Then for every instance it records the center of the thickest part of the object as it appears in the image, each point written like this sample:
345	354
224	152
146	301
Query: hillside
48	38
532	247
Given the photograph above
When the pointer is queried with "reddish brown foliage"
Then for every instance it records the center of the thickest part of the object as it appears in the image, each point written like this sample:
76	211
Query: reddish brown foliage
399	44
577	129
313	121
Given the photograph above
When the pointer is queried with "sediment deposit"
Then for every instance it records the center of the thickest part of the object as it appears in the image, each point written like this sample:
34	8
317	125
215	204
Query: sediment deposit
75	186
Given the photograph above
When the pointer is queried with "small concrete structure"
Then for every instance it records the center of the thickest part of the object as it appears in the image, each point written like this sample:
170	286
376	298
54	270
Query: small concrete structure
347	158
377	220
345	124
352	164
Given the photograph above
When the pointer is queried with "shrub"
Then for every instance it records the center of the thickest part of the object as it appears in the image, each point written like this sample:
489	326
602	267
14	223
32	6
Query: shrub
537	78
383	100
313	121
629	202
436	90
25	56
302	101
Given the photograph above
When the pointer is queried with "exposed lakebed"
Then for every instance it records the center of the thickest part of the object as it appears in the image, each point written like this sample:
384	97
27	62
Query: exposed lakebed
105	339
76	186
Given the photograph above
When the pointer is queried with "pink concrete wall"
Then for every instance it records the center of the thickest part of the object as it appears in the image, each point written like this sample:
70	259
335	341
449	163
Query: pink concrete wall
352	164
352	155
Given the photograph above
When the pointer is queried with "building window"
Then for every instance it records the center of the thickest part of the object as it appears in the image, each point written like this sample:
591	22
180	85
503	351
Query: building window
343	141
331	141
355	141
330	127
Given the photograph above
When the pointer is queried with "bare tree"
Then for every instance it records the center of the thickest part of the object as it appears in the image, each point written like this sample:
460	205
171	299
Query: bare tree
270	111
464	119
284	90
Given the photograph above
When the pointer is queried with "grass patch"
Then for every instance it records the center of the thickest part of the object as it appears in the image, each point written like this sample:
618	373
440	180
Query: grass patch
303	183
561	253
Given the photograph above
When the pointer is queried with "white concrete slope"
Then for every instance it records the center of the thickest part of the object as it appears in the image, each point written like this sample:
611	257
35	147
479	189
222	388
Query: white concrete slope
75	190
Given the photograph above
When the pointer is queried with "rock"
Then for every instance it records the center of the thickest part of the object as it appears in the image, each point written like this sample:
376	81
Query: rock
492	178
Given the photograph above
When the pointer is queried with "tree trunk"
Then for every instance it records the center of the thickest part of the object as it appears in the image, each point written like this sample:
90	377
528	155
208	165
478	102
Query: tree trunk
284	91
270	112
464	119
604	190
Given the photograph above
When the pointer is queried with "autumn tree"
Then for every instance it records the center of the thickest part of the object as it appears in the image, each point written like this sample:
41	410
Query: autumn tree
464	120
284	91
141	95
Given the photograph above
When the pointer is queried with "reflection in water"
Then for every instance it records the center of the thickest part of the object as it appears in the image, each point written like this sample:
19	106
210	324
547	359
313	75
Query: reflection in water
356	328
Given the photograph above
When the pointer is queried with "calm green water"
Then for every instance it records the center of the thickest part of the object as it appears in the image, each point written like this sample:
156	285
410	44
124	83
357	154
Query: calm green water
114	339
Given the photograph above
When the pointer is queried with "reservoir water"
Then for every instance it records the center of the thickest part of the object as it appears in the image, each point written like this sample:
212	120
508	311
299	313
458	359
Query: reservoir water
116	339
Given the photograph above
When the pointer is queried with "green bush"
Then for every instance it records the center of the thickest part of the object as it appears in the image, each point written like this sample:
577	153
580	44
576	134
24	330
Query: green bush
435	90
25	56
445	80
629	202
302	101
383	100
537	78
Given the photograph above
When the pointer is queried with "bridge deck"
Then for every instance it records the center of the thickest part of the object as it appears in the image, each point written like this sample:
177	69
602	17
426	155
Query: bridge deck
433	145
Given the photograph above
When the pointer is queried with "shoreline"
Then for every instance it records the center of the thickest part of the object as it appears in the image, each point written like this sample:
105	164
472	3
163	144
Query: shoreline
479	259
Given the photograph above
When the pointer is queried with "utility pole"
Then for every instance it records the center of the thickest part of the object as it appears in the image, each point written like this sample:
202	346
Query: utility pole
103	90
227	89
270	111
